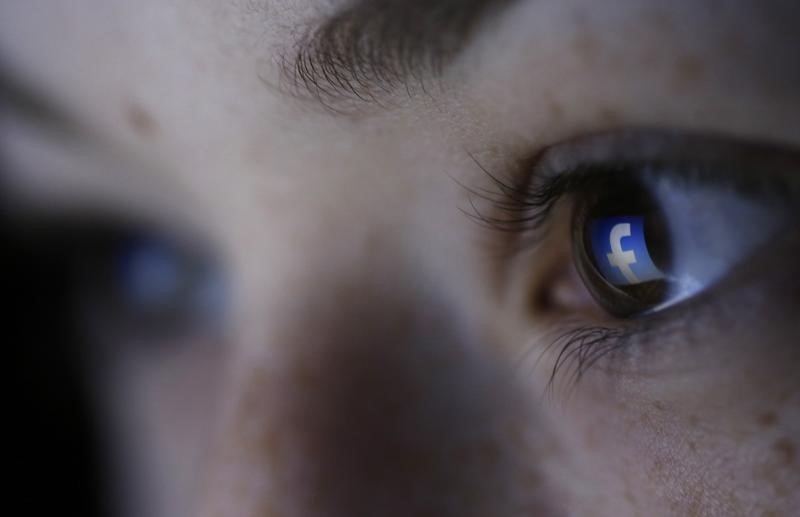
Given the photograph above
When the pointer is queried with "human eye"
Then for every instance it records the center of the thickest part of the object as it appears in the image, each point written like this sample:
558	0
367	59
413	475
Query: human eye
118	301
119	280
660	226
105	248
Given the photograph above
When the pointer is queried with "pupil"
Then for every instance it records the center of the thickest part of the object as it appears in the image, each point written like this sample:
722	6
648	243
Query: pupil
626	249
150	274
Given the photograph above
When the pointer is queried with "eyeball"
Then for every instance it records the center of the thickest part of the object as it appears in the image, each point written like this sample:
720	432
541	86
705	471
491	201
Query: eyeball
646	241
145	285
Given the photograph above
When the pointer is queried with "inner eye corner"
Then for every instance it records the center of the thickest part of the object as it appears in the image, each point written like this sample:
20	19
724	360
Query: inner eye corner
558	288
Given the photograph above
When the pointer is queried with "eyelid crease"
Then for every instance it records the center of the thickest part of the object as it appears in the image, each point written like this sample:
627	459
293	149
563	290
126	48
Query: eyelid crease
665	147
521	206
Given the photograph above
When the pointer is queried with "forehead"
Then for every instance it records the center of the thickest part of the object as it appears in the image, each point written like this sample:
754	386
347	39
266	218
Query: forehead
201	72
153	40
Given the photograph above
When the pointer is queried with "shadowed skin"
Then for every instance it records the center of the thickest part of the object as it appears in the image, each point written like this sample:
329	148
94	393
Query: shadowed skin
385	355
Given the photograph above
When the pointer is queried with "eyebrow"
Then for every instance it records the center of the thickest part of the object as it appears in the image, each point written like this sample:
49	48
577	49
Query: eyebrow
369	49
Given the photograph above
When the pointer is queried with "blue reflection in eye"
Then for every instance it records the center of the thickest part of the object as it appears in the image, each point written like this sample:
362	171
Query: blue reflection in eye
160	284
620	250
210	296
682	237
150	274
710	229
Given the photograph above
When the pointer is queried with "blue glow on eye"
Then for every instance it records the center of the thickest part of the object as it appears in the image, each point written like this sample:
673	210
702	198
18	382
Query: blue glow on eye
151	274
620	250
159	285
210	296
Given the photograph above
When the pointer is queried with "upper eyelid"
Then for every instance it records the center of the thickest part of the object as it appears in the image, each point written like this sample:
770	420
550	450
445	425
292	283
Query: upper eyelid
48	170
519	204
669	146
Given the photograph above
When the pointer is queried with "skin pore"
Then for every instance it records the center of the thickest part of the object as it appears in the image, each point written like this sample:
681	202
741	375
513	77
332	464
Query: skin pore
381	357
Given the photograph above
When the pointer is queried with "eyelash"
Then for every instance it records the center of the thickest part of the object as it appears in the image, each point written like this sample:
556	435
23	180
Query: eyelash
580	348
528	204
524	209
527	207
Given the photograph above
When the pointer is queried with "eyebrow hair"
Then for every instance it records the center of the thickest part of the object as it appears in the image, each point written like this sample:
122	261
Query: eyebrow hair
369	49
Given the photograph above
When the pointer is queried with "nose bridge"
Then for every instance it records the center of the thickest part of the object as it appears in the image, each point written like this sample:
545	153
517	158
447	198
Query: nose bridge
380	402
390	413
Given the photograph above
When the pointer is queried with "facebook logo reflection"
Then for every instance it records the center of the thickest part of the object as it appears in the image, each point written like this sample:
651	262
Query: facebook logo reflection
620	250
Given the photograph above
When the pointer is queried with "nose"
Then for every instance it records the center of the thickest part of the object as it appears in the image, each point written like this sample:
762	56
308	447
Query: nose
375	398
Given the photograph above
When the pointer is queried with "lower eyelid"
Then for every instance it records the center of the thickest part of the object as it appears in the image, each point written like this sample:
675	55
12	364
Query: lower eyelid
727	321
682	339
577	350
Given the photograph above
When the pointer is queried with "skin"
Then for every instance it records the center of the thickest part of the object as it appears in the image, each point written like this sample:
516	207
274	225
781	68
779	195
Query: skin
371	365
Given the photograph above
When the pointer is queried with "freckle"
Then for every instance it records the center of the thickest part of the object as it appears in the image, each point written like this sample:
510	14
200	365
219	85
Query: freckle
785	450
586	46
689	69
693	420
695	504
651	57
659	405
767	419
692	446
609	116
732	43
141	121
660	21
629	497
658	466
556	110
593	439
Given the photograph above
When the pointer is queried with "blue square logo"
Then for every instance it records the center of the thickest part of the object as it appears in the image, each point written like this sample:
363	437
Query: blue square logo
620	250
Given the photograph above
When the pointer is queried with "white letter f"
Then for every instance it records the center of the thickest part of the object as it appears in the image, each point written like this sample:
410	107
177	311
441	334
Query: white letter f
620	258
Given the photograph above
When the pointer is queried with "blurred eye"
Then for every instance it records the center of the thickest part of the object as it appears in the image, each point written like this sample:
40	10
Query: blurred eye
89	295
142	284
118	280
647	238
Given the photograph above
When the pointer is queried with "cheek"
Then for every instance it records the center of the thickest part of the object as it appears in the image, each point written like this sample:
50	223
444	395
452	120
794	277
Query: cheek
709	421
721	442
378	405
